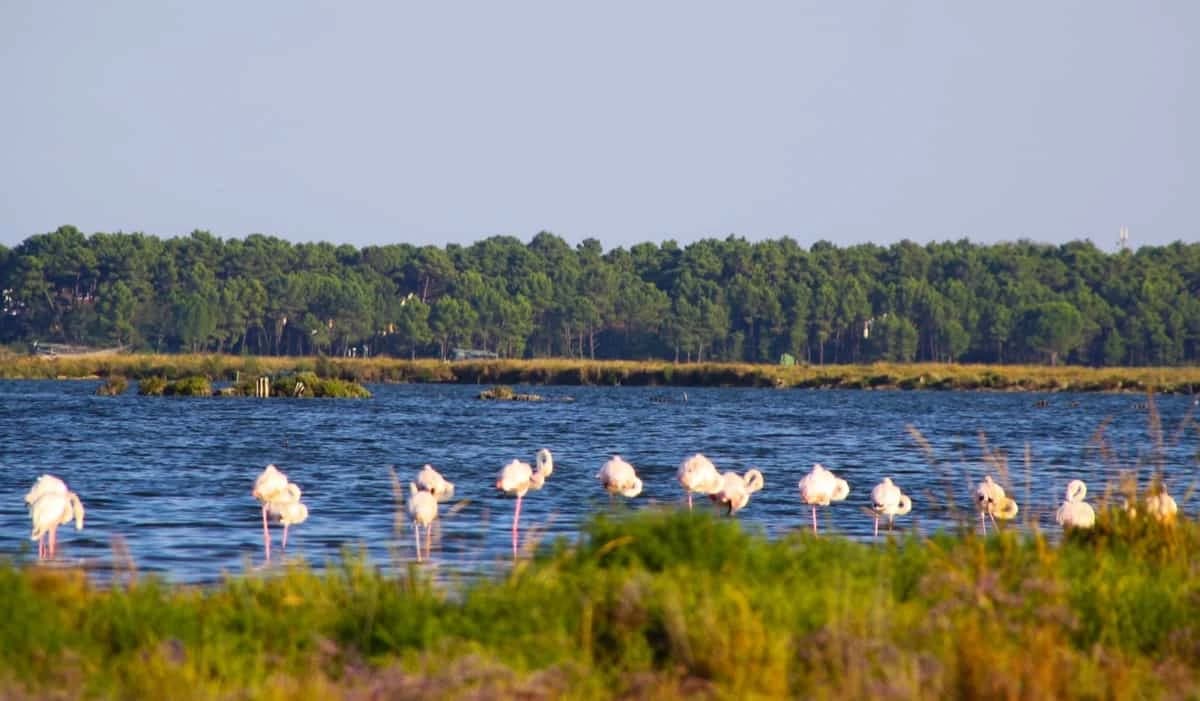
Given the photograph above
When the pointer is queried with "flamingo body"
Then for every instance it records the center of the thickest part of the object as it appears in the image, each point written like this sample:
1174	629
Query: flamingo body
423	508
820	487
619	477
46	484
1075	512
517	477
698	475
736	489
993	502
269	483
545	463
888	500
280	500
430	480
50	508
1162	506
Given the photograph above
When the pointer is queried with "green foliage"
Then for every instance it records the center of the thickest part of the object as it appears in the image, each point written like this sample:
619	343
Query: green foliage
114	385
308	384
153	386
660	603
194	386
1054	328
722	300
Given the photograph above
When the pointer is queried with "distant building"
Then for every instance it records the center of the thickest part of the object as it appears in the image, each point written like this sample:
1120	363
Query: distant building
471	354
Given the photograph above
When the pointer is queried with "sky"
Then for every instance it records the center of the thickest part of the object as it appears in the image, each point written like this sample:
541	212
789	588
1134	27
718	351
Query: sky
372	123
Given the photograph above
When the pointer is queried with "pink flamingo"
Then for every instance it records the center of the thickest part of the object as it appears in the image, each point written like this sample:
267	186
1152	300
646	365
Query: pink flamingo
51	504
518	478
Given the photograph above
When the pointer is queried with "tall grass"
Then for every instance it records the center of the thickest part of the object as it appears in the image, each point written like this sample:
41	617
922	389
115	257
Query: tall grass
564	371
656	605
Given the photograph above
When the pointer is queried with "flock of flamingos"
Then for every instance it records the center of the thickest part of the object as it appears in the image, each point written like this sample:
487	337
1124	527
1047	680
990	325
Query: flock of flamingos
52	504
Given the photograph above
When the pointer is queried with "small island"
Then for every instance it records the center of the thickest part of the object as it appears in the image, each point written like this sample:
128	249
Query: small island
295	385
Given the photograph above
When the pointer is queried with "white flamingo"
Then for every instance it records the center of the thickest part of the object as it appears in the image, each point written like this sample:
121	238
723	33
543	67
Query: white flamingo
288	509
1075	512
279	498
423	507
1161	505
736	489
619	477
994	503
820	487
888	500
46	484
545	465
698	474
49	511
430	480
518	478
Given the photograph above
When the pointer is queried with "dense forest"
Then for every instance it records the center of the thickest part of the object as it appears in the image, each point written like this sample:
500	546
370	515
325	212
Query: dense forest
710	300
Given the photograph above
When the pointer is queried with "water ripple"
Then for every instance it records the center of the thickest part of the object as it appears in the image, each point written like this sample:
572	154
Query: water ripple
172	477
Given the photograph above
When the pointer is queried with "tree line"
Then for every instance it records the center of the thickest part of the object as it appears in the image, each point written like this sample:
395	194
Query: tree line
713	299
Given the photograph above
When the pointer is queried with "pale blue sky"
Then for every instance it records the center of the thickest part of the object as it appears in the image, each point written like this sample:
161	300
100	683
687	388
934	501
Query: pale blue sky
434	122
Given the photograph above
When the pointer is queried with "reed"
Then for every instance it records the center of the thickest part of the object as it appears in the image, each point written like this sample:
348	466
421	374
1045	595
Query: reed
563	371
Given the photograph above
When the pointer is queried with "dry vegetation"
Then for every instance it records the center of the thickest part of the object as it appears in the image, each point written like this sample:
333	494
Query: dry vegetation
584	372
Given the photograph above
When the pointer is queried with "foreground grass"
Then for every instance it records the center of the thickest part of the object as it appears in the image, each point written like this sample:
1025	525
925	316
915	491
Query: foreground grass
659	605
565	371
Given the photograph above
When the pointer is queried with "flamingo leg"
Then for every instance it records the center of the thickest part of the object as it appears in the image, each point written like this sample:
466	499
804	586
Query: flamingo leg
42	546
428	539
814	508
285	527
876	525
983	522
994	524
417	538
891	522
266	534
689	501
516	520
53	540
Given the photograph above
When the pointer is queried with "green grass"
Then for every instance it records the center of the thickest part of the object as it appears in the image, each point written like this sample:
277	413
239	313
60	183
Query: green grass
654	605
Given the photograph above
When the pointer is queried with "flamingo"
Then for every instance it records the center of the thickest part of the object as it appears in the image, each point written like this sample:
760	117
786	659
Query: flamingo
698	474
517	477
1161	505
736	489
545	465
430	480
1075	512
279	498
48	512
820	487
288	509
888	500
993	503
619	477
46	484
423	507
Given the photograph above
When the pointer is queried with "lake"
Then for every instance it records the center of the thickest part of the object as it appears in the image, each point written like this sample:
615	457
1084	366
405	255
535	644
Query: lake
172	476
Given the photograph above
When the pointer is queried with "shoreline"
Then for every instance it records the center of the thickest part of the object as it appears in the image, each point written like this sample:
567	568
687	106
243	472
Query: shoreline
575	372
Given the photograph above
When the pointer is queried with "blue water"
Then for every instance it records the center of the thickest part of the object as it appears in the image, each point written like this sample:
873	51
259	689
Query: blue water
171	478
